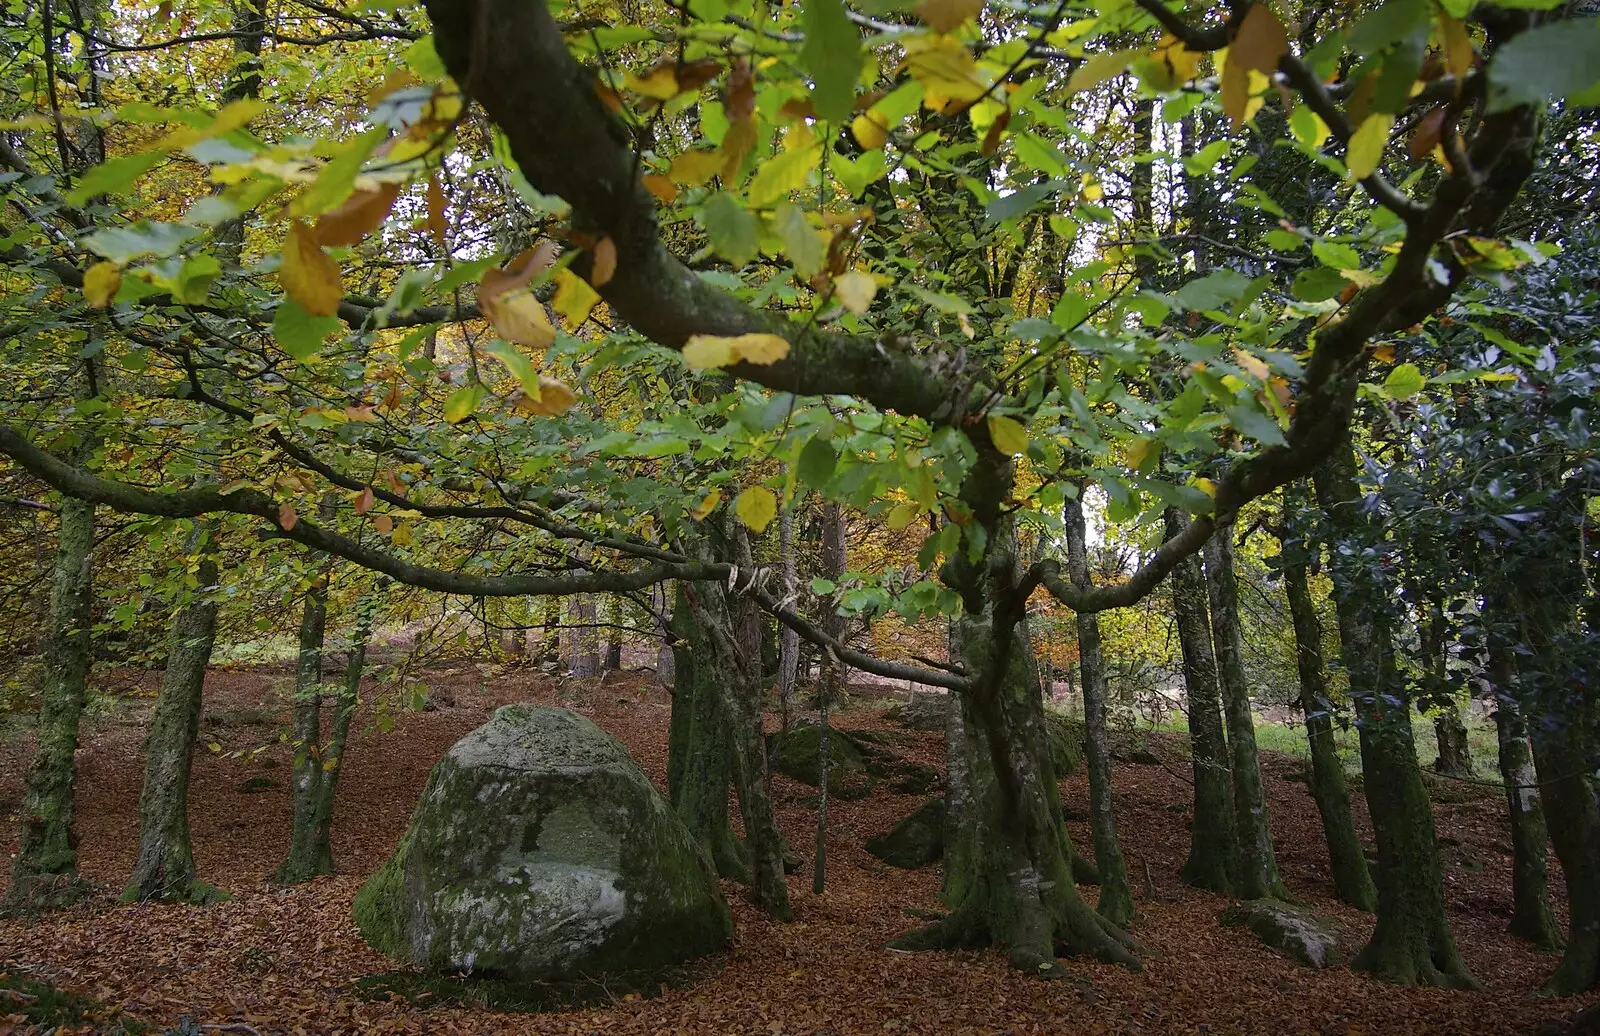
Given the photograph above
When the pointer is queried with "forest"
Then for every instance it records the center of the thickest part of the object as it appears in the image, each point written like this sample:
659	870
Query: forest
839	516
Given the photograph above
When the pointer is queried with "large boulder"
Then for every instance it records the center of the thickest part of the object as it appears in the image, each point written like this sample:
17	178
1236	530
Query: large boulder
1303	936
924	710
540	851
797	754
916	841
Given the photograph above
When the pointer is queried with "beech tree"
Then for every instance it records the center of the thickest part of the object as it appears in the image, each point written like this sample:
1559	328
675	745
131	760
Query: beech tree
890	241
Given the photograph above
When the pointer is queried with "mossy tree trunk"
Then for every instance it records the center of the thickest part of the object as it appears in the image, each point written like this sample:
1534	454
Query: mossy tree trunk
831	685
1454	758
308	855
698	748
735	678
165	867
45	871
1531	917
582	636
788	639
1412	942
1213	842
1348	863
1256	872
1116	899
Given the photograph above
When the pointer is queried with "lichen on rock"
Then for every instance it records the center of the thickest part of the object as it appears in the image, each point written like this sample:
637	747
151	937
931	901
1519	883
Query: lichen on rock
540	851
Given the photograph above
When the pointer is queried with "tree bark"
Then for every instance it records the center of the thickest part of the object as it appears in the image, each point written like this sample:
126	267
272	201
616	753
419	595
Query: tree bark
1531	917
788	639
165	867
1116	898
698	748
1450	734
309	855
831	683
1412	942
582	638
1348	863
1213	844
1256	872
45	872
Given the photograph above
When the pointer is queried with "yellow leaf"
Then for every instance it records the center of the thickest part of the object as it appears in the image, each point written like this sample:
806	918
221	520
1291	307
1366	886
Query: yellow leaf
574	298
1098	69
554	398
693	168
761	348
438	219
855	290
945	68
519	318
1140	450
1261	40
702	352
706	505
402	535
361	213
100	284
870	129
1457	46
1383	353
1367	144
665	191
308	274
705	351
1235	89
1170	66
902	515
1007	434
947	15
604	265
1252	364
782	173
756	507
1206	486
660	81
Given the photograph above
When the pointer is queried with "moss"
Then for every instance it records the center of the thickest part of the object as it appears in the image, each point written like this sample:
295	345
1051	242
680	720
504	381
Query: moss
52	1009
1066	742
377	905
797	754
916	841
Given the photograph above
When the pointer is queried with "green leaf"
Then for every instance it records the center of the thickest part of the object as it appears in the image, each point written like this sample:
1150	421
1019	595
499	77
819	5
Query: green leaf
817	461
856	176
784	172
423	59
124	244
113	177
1552	61
1256	424
1338	256
1203	161
1007	434
823	587
338	178
517	364
801	242
1018	202
1367	144
1317	285
196	276
461	403
1212	290
832	54
1284	240
1404	381
299	333
1387	25
735	232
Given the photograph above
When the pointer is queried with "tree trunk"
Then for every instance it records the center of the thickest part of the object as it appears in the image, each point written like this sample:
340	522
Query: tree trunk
735	678
1455	756
1116	899
1015	887
1345	857
831	682
788	639
310	855
698	748
1412	942
661	600
583	639
613	656
165	867
1531	917
1450	733
45	871
1212	840
1563	759
1256	872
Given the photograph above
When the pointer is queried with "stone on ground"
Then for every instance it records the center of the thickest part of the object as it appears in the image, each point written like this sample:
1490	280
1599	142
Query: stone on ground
798	753
916	841
924	710
1303	936
540	851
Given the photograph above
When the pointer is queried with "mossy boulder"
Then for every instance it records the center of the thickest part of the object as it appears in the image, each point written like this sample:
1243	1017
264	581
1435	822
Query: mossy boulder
540	851
1066	742
798	754
916	841
1303	936
924	710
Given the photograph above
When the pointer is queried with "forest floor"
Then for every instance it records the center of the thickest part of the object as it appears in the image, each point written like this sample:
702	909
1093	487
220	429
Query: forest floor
285	960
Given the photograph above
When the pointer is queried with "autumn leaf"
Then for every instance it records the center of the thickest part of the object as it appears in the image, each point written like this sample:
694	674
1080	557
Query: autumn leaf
100	284
1426	136
1140	450
1008	436
662	187
519	318
855	290
1367	144
706	505
1261	41
947	15
360	214
308	274
364	500
286	516
574	298
554	399
438	219
1097	69
870	129
383	523
739	92
603	266
1252	364
756	507
702	352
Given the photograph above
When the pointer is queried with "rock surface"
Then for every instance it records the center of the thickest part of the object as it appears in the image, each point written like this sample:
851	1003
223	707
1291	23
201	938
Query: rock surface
924	710
540	851
1301	935
916	841
797	755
